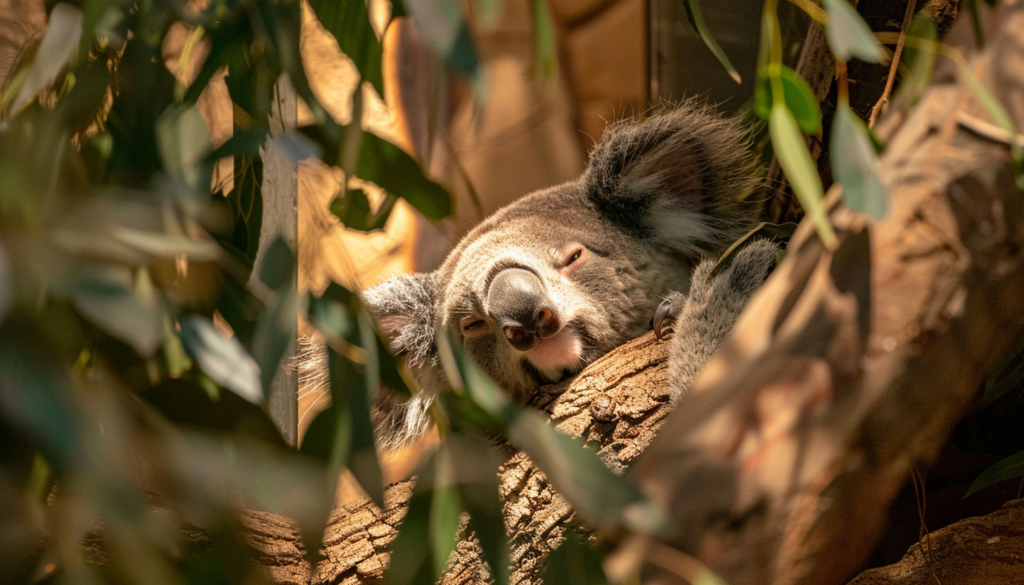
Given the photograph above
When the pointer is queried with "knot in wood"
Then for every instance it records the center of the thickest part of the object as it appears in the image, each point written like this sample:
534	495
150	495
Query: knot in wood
602	408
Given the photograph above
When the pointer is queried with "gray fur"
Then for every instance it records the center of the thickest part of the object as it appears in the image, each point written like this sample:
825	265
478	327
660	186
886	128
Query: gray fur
658	197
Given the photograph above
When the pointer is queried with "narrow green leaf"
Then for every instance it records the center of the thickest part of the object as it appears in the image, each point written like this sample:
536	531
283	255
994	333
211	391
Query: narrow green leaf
59	41
849	36
444	511
444	27
1000	117
697	20
574	562
799	99
222	358
1009	468
855	165
349	23
388	166
795	161
545	51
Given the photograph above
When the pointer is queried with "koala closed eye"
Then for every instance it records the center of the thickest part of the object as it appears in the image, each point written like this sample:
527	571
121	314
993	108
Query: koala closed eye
657	198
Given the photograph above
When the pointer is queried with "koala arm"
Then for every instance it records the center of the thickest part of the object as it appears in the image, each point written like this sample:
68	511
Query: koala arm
704	318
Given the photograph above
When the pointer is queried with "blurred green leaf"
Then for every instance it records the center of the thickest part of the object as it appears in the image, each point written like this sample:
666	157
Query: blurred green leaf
389	167
697	20
848	35
601	497
349	23
184	140
103	294
545	49
795	160
855	165
35	394
355	212
444	511
574	563
241	143
275	333
1009	468
63	32
919	62
1000	117
6	290
222	358
446	31
799	99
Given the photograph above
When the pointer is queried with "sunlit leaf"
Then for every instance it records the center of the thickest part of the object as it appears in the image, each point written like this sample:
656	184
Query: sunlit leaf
388	166
697	20
349	23
104	295
795	160
799	99
222	358
1009	468
849	36
446	31
59	41
574	563
855	165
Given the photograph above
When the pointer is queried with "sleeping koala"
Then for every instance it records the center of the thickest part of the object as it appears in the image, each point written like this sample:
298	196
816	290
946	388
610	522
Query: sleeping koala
562	276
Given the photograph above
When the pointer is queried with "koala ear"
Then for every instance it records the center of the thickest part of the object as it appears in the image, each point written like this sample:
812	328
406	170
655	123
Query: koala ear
404	309
679	177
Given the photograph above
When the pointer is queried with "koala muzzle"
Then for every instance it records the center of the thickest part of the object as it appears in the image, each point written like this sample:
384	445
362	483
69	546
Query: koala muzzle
517	301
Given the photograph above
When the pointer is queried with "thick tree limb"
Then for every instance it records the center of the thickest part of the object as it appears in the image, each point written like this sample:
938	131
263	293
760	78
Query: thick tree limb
850	368
847	370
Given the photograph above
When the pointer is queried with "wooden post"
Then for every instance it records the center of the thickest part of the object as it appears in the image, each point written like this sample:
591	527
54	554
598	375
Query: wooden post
280	219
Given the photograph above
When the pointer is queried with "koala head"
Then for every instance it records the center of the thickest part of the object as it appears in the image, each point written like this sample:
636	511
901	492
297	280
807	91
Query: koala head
562	276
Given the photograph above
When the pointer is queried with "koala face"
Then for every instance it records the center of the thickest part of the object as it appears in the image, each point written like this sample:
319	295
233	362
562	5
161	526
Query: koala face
547	285
562	276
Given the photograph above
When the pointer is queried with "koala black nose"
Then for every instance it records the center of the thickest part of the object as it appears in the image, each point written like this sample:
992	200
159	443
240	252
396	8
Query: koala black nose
517	301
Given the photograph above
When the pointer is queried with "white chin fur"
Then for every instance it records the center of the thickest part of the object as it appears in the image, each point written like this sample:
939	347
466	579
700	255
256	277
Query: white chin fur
554	355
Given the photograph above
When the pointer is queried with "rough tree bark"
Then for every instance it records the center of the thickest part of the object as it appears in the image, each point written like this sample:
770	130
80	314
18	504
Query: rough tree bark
848	370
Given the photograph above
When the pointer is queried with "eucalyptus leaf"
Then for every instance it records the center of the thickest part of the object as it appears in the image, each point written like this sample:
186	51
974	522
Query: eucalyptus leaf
63	32
574	562
444	28
855	165
795	160
222	358
349	23
849	36
184	141
799	98
697	20
545	51
1009	468
103	294
389	167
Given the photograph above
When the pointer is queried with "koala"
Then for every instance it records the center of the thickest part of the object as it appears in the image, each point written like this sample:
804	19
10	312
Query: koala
562	276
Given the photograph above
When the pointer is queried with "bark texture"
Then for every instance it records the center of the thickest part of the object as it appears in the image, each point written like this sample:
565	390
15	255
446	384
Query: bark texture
977	551
848	369
851	367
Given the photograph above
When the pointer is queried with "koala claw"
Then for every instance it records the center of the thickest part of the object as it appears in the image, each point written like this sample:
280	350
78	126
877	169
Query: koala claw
659	318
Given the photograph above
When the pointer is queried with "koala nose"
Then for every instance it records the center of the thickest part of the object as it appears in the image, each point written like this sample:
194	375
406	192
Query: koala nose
517	301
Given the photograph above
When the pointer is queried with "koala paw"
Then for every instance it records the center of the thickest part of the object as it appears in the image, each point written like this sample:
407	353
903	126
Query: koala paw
704	318
666	313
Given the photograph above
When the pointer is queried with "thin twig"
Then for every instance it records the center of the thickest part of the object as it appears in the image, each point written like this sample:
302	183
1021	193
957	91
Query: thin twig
987	130
894	65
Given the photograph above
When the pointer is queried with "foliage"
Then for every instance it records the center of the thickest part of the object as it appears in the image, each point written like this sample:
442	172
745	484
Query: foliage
138	350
